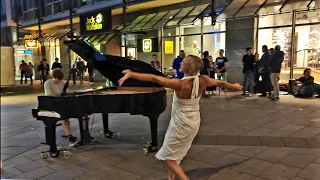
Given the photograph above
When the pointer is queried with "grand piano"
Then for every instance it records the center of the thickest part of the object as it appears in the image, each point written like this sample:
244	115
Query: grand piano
134	97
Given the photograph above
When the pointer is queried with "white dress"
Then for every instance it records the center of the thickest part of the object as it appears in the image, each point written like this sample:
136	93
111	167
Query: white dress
183	127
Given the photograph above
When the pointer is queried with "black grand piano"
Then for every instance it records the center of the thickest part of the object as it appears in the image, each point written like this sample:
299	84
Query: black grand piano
134	97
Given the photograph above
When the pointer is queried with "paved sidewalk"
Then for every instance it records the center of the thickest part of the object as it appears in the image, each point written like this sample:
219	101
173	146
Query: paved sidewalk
239	139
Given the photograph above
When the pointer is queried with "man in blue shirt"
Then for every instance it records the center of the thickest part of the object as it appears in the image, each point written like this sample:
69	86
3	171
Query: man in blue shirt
176	64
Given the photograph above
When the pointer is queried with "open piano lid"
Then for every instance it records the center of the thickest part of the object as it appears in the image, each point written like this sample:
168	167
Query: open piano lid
112	66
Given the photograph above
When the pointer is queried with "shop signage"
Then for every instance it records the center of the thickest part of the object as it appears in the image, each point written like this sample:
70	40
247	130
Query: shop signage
147	45
168	47
28	51
97	46
95	22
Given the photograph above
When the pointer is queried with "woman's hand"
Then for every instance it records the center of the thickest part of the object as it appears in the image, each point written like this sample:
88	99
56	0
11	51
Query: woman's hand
237	86
127	74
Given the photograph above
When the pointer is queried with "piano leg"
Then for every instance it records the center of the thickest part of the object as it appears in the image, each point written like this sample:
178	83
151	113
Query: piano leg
84	130
154	132
106	131
50	131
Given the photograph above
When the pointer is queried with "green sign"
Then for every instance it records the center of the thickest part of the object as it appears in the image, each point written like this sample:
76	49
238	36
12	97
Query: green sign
147	45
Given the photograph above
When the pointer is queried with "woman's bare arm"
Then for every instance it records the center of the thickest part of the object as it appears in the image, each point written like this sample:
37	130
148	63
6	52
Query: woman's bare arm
223	84
174	84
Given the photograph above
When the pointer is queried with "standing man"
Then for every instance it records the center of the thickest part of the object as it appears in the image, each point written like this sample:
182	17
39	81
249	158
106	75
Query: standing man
43	70
90	68
248	71
265	71
275	68
81	69
155	63
176	64
220	66
205	70
23	69
56	64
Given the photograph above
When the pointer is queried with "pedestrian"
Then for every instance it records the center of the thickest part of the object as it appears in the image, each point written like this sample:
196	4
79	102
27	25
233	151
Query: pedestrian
275	68
80	69
264	70
205	70
220	66
23	69
90	68
185	113
154	62
43	70
177	62
212	75
56	64
29	73
248	61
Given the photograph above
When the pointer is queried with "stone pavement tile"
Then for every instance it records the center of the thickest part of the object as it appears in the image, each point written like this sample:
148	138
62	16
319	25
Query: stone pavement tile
299	178
309	130
205	140
229	159
295	142
273	125
5	157
189	164
315	152
33	165
291	127
156	175
311	172
298	160
226	148
313	142
274	154
75	171
141	159
259	132
317	161
135	168
234	175
59	165
62	175
272	141
279	171
279	133
253	166
236	131
227	140
15	162
302	135
9	172
100	173
35	174
129	176
249	151
258	178
208	156
196	149
249	141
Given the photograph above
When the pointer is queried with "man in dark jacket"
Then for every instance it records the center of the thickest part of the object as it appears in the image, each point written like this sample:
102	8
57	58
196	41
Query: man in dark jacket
43	70
90	68
56	64
248	61
264	70
275	69
176	64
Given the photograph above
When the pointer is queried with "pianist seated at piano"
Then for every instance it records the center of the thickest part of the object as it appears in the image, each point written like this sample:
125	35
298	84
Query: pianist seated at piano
185	120
54	87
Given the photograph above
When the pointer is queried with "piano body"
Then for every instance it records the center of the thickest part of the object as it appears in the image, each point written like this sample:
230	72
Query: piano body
134	97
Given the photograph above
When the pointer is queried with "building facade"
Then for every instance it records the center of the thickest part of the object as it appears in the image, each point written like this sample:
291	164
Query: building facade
165	27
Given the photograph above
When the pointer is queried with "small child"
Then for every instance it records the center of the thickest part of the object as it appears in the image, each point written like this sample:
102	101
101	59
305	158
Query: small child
185	115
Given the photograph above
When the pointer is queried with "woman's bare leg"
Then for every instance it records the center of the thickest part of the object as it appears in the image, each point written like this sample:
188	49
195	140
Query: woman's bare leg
66	127
172	176
176	169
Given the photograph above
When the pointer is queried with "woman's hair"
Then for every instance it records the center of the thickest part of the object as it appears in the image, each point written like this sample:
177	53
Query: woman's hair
57	74
305	71
196	62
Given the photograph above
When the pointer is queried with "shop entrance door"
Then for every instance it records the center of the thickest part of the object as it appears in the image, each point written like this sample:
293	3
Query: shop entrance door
131	52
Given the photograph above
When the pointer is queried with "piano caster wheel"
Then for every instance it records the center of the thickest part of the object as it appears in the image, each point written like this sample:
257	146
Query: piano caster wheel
44	155
116	135
100	135
66	154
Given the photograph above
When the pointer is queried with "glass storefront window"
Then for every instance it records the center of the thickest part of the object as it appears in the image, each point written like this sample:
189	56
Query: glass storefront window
208	28
192	29
275	20
131	40
171	51
213	43
192	45
308	17
57	7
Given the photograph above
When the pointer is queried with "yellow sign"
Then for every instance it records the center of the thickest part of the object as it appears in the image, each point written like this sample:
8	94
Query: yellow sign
147	45
97	46
168	47
94	23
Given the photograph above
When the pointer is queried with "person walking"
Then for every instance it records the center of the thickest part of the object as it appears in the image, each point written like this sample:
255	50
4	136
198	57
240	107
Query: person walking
29	73
90	68
23	70
56	64
248	61
205	70
81	69
275	69
177	62
43	70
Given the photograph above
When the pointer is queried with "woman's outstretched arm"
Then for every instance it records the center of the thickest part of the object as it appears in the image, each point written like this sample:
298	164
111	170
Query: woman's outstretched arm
214	82
174	84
